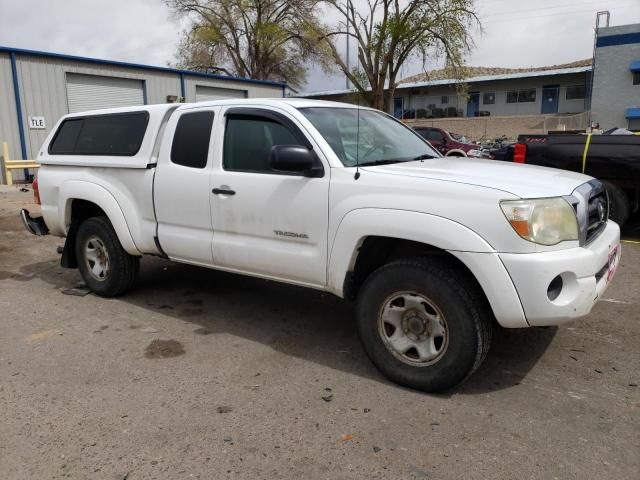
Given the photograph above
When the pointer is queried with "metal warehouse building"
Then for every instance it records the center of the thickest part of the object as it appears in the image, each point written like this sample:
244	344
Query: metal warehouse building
37	88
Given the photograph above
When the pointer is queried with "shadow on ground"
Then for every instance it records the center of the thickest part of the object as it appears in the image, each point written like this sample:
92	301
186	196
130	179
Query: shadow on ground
300	322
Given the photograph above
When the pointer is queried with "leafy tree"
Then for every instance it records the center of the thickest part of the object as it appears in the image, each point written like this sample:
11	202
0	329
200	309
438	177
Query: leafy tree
260	39
389	33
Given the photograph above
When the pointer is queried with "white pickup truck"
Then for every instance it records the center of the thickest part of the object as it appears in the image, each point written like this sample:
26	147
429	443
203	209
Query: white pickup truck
347	200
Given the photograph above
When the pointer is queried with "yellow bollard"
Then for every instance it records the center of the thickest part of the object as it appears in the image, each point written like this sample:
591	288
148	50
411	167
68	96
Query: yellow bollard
14	164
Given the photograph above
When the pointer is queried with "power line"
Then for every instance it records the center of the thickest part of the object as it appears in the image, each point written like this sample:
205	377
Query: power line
553	7
592	11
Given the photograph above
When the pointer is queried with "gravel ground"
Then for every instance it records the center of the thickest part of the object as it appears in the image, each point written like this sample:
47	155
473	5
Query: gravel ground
202	374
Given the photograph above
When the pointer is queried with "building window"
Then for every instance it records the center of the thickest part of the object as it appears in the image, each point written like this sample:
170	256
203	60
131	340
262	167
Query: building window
527	95
488	98
575	92
636	78
444	99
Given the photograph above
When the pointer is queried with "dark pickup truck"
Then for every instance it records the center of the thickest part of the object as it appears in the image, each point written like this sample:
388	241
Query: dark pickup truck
613	159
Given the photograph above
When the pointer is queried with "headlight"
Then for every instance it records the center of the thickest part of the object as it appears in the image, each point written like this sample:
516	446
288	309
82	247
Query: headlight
546	221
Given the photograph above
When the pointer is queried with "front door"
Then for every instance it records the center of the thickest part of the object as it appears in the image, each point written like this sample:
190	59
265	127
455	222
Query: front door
550	96
398	107
473	104
267	223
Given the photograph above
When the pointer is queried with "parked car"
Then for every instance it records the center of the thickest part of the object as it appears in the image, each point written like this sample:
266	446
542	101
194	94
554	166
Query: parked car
450	144
346	200
613	159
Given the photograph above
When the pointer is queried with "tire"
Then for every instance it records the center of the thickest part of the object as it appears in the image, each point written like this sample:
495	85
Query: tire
619	205
422	285
104	265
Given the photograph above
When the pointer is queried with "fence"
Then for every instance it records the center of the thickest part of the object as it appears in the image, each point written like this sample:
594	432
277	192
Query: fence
480	128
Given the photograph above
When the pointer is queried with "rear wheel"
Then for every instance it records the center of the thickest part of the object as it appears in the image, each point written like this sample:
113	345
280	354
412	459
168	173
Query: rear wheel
423	324
619	204
107	269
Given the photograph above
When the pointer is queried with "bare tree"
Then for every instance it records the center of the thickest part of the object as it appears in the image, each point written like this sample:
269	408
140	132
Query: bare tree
389	33
261	39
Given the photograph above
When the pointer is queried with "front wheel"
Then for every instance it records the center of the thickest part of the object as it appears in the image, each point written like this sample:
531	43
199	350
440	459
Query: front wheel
423	324
106	268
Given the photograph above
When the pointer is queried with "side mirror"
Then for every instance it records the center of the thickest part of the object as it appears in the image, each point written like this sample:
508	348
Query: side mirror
295	159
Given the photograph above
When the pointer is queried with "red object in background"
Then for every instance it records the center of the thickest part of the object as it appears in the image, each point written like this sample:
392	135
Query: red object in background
444	141
36	191
519	153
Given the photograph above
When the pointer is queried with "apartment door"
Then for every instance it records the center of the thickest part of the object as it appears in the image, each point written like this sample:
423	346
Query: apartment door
473	104
550	97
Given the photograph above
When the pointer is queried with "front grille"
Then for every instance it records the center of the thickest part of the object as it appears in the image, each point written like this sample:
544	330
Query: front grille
597	214
592	209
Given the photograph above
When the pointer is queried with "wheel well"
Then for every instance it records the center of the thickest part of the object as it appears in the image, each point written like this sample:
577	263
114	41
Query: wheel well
377	251
81	210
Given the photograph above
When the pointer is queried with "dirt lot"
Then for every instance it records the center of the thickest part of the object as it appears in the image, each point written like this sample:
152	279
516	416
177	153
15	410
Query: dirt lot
201	374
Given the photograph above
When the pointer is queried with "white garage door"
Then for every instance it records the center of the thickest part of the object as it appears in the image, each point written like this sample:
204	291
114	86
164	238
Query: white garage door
204	94
91	92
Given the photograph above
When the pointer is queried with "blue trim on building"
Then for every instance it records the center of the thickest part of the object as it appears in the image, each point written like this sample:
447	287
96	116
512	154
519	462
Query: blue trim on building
632	113
98	61
16	92
615	40
635	66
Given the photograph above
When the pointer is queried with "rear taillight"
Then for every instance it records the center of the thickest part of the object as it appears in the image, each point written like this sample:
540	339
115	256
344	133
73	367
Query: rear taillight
36	191
519	153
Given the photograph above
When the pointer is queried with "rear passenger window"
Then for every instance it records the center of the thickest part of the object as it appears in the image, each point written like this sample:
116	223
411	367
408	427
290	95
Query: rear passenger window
108	135
191	140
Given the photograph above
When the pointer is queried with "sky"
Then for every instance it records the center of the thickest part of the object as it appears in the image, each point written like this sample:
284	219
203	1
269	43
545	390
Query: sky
516	33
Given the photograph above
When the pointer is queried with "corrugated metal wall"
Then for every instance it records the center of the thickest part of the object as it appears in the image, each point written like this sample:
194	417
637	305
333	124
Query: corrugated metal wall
43	89
8	116
254	90
42	82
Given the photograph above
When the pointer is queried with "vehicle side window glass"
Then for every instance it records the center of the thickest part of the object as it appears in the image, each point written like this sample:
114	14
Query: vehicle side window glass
248	140
435	135
190	146
108	135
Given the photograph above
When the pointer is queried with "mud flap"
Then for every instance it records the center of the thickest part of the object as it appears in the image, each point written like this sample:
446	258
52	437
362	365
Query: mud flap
68	259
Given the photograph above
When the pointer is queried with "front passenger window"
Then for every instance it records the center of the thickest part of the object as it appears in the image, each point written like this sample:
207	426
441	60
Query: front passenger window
248	140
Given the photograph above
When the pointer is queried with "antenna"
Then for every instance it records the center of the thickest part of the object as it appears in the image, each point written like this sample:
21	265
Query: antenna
357	174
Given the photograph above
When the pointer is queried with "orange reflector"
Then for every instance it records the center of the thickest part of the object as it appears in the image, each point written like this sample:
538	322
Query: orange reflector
521	226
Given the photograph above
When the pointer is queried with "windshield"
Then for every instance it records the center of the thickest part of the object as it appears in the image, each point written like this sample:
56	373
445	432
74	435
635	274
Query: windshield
373	138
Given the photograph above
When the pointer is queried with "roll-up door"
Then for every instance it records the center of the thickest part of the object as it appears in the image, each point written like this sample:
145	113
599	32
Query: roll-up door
92	92
204	94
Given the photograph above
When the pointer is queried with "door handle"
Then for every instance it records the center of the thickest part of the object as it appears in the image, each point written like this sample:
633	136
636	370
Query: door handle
222	191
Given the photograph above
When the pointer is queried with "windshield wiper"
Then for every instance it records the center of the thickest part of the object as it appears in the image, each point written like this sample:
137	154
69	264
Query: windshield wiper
389	161
424	156
383	162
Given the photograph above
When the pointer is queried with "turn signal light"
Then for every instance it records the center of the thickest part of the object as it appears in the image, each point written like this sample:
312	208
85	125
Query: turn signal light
519	153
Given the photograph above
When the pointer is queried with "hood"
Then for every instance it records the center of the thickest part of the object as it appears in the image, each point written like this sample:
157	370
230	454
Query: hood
521	180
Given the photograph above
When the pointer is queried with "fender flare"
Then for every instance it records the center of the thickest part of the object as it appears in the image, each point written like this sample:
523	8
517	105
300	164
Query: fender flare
471	249
92	192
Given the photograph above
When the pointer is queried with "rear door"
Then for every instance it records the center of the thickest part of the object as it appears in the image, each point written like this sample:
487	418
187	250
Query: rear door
265	222
181	187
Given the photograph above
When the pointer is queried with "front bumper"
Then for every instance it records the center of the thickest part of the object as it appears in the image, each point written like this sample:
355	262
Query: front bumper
33	225
586	272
